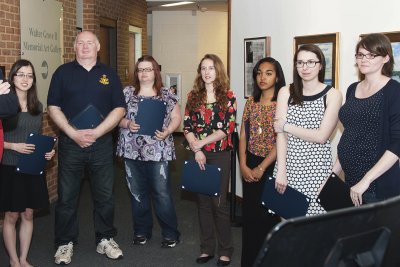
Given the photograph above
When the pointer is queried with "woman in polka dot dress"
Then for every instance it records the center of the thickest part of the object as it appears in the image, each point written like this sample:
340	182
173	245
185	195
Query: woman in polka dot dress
306	116
369	149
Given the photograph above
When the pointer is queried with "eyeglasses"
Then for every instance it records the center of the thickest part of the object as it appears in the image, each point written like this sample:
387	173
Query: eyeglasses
21	75
367	56
144	70
309	63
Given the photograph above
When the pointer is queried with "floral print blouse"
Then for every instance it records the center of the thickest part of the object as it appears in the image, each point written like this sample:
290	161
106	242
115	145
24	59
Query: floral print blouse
144	147
261	119
208	119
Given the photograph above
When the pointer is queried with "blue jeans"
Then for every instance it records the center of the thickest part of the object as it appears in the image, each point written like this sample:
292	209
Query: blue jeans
149	182
72	161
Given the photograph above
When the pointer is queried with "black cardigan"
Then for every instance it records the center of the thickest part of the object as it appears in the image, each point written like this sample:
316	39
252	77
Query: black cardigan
388	184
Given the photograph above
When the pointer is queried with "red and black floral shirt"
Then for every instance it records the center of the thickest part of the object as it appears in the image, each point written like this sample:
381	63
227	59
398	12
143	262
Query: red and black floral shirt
209	118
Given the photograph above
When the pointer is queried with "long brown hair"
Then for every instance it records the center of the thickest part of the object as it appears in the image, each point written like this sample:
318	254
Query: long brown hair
33	103
296	88
158	84
198	95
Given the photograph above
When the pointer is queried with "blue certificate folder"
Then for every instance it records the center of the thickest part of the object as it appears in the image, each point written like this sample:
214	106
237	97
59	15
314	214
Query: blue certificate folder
35	162
290	204
89	118
207	182
150	116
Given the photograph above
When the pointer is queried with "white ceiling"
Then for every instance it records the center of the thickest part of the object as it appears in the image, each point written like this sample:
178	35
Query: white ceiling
200	5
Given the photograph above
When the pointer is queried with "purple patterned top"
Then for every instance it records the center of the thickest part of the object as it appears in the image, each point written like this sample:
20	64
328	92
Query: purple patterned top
145	147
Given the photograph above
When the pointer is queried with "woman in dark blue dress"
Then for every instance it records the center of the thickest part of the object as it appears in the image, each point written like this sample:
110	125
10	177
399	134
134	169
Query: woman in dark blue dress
369	149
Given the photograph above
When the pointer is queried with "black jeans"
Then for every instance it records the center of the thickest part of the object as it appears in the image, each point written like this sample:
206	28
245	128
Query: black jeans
257	222
72	161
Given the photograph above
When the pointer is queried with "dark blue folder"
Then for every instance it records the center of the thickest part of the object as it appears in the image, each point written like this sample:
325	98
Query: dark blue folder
150	116
335	194
35	162
207	182
89	118
290	204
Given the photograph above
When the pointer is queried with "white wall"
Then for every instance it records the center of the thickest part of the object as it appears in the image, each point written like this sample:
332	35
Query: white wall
182	38
284	19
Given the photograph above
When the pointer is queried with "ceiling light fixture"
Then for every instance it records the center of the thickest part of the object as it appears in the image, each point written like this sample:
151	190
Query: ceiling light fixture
177	4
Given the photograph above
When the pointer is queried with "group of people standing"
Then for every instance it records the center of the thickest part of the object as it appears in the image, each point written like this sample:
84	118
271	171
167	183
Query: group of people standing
284	133
294	129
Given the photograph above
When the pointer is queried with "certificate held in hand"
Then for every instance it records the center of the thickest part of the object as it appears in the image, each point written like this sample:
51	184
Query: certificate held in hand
150	116
290	204
35	162
88	118
207	182
335	194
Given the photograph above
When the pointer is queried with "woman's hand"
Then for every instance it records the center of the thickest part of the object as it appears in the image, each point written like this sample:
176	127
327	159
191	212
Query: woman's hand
50	155
23	148
4	87
257	173
200	159
247	173
133	127
281	182
196	145
279	124
357	191
162	135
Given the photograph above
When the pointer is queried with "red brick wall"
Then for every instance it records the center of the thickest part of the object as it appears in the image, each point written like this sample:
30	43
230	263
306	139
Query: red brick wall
125	12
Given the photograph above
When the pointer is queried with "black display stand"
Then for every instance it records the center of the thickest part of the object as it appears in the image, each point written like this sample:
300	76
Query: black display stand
235	220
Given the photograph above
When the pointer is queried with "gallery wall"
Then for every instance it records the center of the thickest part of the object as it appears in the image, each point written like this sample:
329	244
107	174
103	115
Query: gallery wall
181	38
285	19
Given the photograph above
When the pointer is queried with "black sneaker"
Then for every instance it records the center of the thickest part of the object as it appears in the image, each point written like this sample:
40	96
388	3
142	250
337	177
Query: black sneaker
167	243
139	240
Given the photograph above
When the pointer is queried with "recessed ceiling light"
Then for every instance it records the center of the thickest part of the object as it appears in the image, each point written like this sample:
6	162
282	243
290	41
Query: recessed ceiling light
178	4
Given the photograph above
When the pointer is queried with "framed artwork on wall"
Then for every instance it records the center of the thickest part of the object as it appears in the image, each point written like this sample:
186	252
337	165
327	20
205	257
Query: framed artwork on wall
329	44
173	82
395	41
254	50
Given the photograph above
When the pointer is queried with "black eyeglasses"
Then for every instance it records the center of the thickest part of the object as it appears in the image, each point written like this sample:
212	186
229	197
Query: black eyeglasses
308	63
367	56
144	70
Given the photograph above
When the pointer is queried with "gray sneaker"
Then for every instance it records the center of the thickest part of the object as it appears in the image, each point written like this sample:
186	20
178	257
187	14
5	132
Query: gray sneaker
110	248
64	254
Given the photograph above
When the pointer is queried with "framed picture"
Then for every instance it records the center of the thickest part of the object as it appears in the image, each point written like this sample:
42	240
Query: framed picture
173	82
254	50
329	44
395	40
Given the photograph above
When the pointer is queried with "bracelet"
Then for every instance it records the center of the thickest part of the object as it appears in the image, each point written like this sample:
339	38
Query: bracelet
196	151
260	168
283	128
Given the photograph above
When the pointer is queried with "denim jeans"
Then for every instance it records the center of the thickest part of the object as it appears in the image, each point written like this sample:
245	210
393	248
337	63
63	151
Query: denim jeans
149	183
72	160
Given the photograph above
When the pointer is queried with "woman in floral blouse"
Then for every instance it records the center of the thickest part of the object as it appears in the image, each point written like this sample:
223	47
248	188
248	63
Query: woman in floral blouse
208	125
257	154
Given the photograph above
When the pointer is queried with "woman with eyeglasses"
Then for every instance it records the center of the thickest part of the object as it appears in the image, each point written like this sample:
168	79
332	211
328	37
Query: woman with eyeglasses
257	152
369	149
209	122
21	194
306	116
147	156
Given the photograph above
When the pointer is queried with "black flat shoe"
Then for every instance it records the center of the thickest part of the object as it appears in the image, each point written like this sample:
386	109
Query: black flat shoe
202	260
223	263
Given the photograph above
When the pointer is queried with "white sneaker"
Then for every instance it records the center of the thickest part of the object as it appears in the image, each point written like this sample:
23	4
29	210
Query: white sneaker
64	254
110	248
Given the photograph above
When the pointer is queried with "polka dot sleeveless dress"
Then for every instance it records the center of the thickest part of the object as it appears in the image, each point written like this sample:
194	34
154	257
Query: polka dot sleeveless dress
308	164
